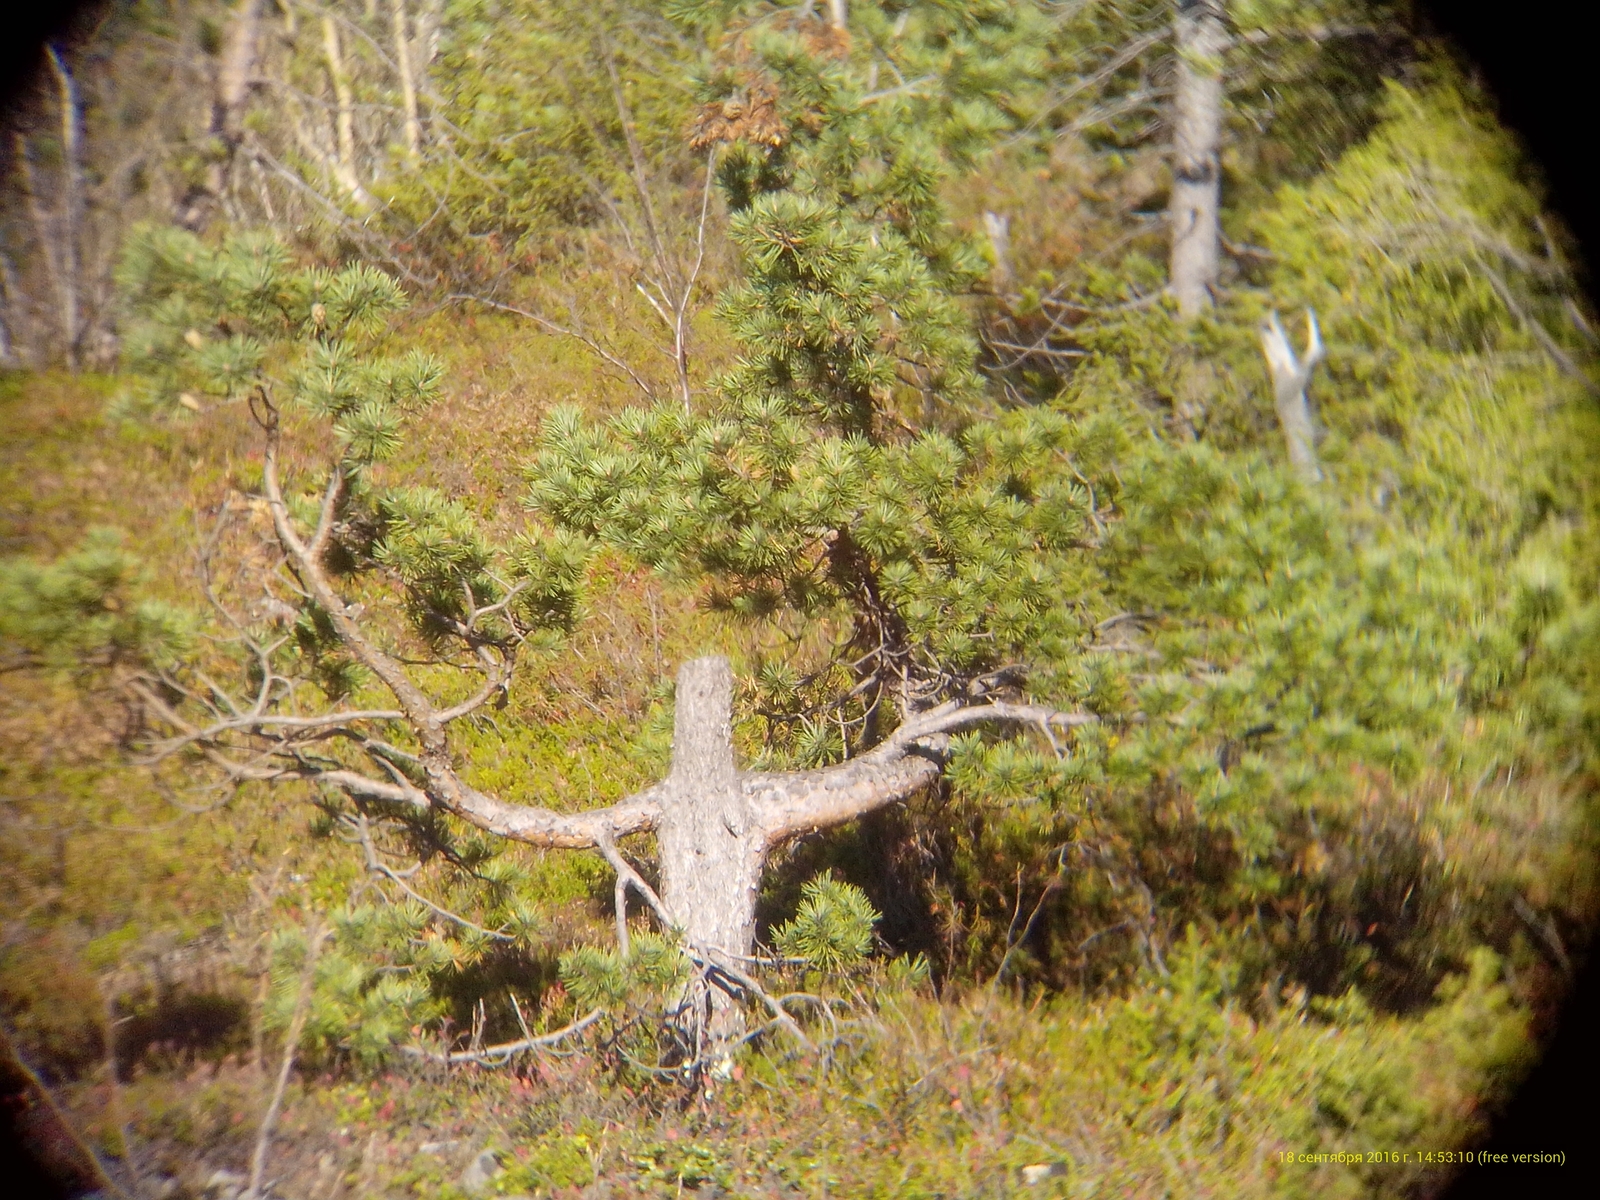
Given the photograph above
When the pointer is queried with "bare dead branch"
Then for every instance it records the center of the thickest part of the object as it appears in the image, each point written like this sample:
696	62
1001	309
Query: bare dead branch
627	876
555	327
1563	361
722	962
498	1055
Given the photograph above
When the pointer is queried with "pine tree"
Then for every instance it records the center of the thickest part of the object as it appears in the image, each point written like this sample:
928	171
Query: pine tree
331	694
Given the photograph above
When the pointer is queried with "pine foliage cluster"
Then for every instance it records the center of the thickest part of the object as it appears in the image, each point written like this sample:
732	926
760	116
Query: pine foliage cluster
389	965
654	967
832	930
85	610
243	321
839	469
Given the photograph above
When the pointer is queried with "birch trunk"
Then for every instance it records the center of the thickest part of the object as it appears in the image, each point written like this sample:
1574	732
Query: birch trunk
11	320
235	78
998	229
1192	214
427	39
68	260
344	115
44	223
408	84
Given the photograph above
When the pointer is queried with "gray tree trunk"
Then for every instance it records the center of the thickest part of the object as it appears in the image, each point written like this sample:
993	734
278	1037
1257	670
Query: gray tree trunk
712	852
345	168
11	316
1200	39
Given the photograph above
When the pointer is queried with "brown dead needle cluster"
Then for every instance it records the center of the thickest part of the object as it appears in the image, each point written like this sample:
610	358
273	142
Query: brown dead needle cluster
750	115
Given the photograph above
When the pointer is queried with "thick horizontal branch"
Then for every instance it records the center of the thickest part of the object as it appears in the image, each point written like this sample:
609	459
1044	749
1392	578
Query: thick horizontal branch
544	827
789	804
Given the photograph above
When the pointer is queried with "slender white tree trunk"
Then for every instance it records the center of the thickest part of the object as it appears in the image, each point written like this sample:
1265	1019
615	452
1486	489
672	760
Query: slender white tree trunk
427	41
998	229
44	222
11	315
344	114
1200	39
235	77
839	13
408	83
69	267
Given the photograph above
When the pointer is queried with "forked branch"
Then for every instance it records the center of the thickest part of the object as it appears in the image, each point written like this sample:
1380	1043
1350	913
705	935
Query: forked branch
1290	376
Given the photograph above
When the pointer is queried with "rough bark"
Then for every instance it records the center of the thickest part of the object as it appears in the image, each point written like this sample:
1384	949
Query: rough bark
1290	375
711	850
235	77
1192	214
716	825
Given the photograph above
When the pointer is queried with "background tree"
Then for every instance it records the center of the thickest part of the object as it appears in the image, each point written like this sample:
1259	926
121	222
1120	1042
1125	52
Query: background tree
1198	42
235	76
